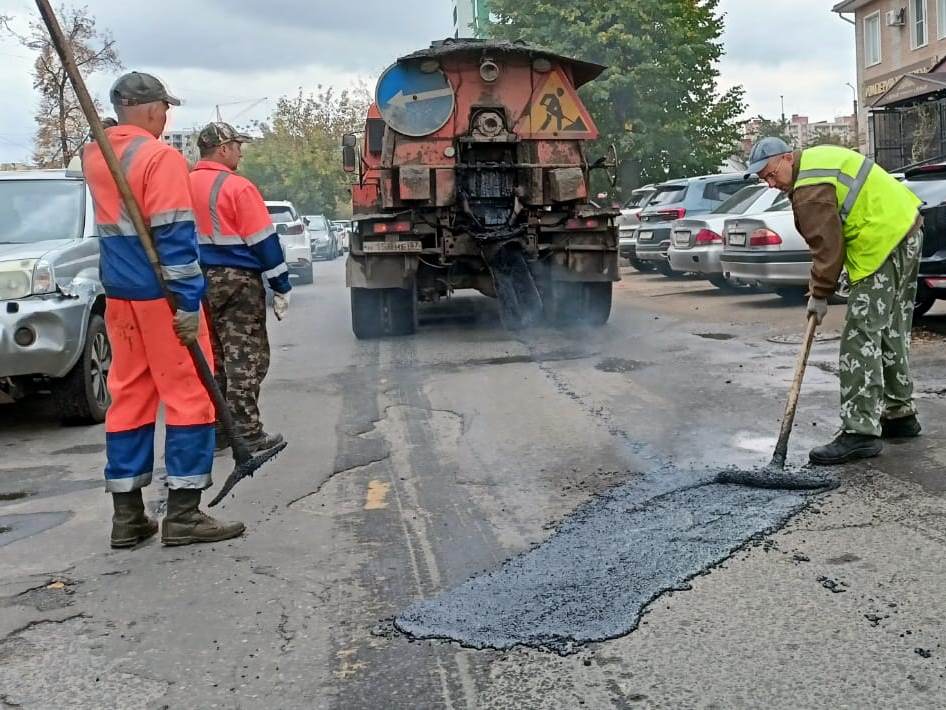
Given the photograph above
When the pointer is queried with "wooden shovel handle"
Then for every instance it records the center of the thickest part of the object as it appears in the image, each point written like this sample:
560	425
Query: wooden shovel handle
781	447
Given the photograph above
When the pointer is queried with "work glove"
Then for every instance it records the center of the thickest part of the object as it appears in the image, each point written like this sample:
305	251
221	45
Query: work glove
187	325
817	307
280	305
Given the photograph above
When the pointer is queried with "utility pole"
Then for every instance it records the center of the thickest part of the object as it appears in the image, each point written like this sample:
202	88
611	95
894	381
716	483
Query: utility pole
857	133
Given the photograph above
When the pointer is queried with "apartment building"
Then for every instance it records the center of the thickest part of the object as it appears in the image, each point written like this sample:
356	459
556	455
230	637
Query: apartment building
900	46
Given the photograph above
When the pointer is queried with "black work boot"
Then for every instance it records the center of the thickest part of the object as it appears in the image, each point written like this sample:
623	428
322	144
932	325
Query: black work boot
130	525
185	524
846	447
901	428
262	441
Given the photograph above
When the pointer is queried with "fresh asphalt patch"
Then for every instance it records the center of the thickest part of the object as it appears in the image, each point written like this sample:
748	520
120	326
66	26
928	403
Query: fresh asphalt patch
593	579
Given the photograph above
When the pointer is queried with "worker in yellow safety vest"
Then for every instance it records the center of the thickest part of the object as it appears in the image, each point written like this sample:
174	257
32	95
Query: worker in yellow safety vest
857	217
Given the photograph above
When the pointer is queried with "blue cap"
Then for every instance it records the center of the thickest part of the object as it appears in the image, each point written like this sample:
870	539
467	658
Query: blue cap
764	150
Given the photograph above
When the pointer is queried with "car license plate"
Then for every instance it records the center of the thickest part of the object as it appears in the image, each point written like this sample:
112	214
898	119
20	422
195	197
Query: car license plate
391	246
645	236
737	239
681	239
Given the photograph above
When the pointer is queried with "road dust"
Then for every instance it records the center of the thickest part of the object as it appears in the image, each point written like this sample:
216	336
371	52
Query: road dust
593	579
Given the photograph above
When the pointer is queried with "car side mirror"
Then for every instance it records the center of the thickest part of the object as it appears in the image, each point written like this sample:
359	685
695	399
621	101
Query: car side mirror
305	221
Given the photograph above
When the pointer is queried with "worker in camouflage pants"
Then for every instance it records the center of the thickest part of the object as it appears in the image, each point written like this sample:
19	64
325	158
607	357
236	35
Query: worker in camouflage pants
875	347
857	218
239	248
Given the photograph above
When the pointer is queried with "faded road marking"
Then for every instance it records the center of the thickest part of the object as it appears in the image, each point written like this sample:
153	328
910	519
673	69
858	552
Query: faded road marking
377	496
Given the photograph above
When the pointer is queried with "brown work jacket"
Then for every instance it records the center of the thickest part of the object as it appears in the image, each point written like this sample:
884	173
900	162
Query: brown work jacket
818	220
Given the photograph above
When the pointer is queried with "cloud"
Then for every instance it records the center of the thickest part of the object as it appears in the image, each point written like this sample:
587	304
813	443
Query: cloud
222	51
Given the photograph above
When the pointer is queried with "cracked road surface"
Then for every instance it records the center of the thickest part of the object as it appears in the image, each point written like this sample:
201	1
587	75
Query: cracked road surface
417	464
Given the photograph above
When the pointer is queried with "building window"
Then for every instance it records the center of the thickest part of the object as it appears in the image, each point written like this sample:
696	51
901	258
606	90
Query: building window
941	18
918	22
872	39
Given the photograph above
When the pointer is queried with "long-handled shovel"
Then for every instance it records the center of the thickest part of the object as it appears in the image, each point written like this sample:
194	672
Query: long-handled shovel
774	475
246	463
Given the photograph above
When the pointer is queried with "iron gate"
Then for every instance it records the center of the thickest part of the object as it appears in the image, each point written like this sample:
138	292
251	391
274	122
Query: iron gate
908	135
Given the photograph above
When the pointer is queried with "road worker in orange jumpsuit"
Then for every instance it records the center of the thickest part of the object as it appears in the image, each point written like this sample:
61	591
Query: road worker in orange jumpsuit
150	361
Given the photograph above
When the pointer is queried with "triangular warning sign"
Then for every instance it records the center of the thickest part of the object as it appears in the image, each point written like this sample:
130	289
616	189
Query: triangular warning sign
555	111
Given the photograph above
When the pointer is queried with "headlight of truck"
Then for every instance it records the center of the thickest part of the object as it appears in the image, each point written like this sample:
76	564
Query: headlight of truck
24	277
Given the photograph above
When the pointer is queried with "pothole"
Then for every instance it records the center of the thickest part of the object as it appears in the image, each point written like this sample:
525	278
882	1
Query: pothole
715	336
14	495
619	365
796	338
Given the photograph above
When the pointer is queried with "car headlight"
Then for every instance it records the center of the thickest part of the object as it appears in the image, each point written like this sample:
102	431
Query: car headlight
20	278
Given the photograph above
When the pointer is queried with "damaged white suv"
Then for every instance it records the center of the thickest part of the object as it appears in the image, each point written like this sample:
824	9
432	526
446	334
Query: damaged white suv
52	304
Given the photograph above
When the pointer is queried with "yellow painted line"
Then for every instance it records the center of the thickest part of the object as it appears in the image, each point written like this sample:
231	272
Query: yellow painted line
377	496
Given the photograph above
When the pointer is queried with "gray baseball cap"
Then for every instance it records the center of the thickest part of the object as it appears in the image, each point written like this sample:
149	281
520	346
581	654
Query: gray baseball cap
764	150
137	88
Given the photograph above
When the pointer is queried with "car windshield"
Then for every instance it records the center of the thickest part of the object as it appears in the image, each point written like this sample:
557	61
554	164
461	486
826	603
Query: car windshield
638	199
668	194
741	201
318	223
37	210
281	213
931	191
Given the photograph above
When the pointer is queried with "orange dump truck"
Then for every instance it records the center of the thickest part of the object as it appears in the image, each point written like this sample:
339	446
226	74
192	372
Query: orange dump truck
472	173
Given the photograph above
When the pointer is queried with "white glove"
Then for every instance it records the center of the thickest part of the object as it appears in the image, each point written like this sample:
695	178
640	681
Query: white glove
281	304
817	307
187	326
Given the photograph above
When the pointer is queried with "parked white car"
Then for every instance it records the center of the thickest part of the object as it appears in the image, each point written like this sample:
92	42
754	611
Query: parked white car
766	250
628	223
294	238
697	243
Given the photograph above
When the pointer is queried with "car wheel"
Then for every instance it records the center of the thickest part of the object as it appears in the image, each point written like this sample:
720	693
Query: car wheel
922	304
664	268
791	295
82	395
642	266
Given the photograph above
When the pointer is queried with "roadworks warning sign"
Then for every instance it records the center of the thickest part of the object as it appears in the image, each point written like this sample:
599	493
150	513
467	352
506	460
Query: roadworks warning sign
555	111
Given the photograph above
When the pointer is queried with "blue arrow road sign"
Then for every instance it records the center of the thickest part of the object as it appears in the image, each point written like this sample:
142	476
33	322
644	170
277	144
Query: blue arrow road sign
414	102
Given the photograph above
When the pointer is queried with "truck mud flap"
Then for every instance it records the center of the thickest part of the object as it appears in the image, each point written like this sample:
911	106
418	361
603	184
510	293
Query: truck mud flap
520	305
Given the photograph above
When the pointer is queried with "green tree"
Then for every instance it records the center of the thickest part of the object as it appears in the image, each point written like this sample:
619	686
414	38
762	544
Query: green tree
659	101
61	128
298	157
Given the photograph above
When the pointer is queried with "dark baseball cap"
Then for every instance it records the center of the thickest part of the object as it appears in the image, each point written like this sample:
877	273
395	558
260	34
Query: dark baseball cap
763	151
220	133
137	88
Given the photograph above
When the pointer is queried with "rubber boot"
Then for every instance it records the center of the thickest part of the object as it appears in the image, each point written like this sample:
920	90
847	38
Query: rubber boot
130	525
901	428
185	524
263	441
846	447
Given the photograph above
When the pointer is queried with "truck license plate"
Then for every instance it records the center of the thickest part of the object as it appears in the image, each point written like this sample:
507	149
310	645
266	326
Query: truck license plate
737	239
393	246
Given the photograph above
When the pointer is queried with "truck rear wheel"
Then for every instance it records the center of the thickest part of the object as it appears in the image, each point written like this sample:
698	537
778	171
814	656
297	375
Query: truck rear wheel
582	302
377	312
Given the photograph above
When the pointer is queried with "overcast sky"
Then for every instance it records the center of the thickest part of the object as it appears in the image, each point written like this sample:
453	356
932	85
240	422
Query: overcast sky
227	51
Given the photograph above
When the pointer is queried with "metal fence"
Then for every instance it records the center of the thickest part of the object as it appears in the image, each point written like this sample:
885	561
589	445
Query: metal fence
909	135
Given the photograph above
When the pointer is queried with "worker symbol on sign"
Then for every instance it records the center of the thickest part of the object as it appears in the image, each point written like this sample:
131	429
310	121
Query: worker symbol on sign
553	109
557	112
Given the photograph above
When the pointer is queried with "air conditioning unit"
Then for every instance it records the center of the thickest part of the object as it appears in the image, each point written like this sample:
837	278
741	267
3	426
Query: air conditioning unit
896	18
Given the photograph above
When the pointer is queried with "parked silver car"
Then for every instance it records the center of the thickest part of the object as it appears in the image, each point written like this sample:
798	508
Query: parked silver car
628	223
766	250
52	304
697	243
294	239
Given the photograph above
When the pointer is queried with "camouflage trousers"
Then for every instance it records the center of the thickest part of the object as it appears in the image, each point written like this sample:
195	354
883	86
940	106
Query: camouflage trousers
875	345
236	302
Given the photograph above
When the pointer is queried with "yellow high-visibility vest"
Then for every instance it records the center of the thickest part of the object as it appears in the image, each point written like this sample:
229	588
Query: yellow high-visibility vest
876	210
